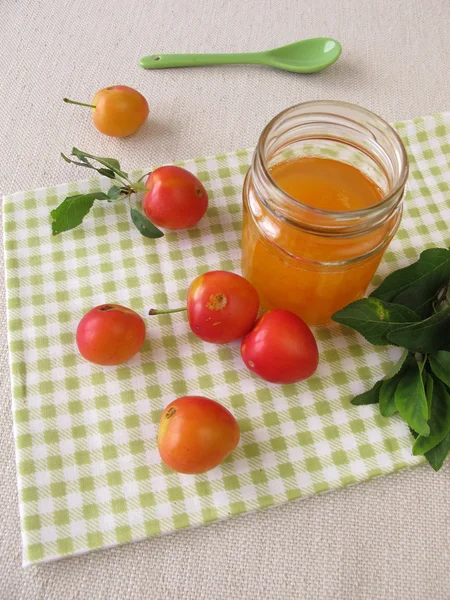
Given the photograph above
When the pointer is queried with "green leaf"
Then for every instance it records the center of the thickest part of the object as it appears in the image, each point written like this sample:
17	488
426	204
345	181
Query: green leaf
437	455
387	396
390	383
144	225
372	396
416	286
84	162
88	165
114	192
429	386
375	319
107	173
410	399
369	397
439	421
110	163
429	335
71	212
398	365
74	162
440	365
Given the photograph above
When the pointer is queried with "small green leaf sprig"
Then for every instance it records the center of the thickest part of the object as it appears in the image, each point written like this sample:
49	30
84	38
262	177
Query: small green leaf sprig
72	210
411	309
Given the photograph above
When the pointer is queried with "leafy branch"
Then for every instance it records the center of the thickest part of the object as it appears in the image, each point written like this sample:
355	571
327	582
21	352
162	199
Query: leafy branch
411	309
72	210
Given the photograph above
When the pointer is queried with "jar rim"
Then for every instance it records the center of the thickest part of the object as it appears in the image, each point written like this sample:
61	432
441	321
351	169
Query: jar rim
314	104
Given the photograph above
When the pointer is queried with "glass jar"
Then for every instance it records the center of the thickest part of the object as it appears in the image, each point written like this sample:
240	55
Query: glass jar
309	260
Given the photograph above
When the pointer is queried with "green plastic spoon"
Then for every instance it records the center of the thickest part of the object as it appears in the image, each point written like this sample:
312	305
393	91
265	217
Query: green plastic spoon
307	56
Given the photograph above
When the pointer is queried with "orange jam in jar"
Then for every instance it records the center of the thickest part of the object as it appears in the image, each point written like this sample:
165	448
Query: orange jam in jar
322	200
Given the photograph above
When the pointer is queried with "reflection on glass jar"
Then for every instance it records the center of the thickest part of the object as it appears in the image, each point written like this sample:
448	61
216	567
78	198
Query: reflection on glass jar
322	200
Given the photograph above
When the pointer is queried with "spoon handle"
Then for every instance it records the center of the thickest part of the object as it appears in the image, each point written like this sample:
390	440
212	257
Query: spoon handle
167	61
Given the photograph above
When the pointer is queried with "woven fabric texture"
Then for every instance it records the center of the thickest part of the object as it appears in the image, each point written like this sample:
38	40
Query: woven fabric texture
89	470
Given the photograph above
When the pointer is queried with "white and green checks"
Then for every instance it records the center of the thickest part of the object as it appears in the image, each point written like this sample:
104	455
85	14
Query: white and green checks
88	466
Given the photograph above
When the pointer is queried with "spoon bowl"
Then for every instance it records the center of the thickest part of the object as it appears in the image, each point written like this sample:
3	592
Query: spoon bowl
306	56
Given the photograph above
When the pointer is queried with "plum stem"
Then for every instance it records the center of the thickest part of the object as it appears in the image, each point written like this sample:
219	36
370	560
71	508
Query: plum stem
79	103
168	311
144	175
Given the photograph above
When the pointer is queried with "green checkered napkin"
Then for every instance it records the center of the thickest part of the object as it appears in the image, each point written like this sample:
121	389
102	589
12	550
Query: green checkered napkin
89	473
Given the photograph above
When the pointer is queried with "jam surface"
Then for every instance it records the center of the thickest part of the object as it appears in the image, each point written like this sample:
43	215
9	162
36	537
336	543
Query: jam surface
287	265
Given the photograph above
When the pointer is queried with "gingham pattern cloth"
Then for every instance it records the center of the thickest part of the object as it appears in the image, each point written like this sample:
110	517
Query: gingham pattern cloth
89	472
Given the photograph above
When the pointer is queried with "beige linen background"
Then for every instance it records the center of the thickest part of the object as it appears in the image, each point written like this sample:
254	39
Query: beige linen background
388	539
